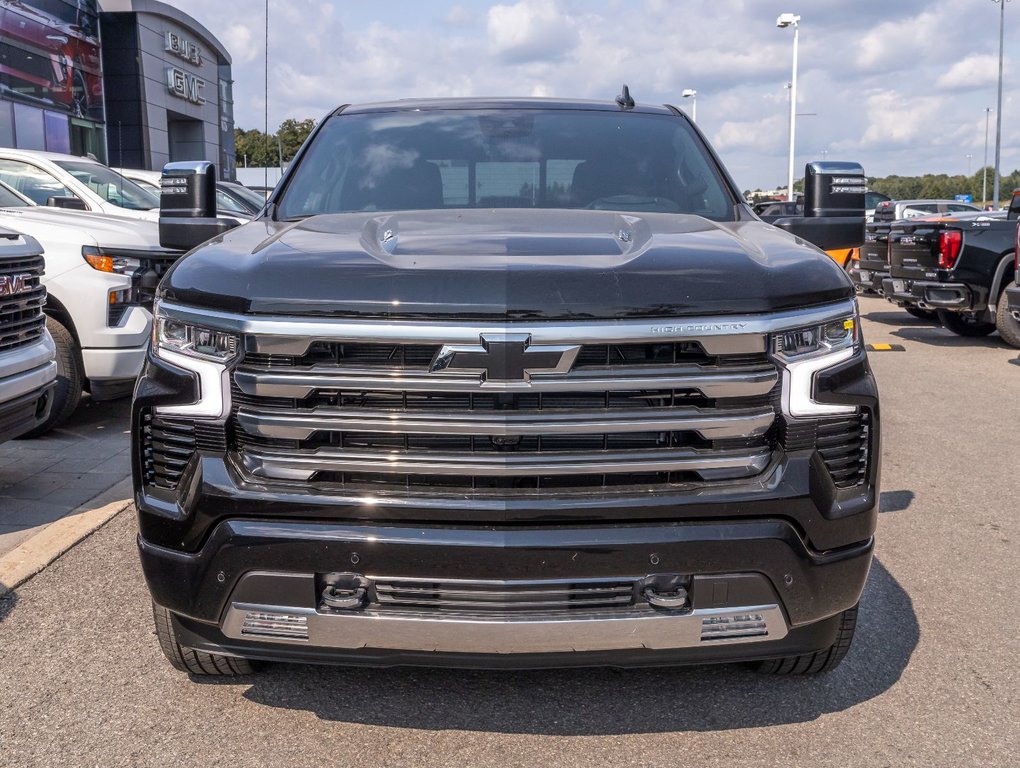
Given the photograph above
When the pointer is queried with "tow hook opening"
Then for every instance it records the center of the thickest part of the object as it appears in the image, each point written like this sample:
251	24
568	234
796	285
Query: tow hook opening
667	591
343	592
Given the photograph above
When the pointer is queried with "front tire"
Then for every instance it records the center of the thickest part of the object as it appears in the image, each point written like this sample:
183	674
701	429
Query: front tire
965	324
1009	328
70	379
820	661
191	661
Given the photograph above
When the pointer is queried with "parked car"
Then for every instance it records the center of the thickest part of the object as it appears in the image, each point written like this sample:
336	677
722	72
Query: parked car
28	370
101	274
526	384
75	183
871	201
52	60
871	269
958	266
232	199
894	210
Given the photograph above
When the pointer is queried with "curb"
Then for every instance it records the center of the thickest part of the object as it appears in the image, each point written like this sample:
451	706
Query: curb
28	558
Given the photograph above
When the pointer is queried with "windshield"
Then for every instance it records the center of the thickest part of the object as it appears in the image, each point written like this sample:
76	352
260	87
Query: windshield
436	159
110	185
10	199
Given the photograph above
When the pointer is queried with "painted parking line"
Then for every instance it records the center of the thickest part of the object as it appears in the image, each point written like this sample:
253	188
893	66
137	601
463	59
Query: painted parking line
886	348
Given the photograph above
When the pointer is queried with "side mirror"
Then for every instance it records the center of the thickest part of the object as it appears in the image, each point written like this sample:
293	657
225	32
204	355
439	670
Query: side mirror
833	206
187	206
69	203
1013	212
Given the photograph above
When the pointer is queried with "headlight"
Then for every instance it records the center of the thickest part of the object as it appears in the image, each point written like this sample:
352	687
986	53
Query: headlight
816	339
204	351
104	262
192	340
803	352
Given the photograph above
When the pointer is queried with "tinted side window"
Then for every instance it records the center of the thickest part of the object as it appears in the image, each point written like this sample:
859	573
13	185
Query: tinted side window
34	183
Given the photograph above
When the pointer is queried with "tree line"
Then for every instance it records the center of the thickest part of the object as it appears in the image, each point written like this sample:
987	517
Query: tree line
255	149
943	186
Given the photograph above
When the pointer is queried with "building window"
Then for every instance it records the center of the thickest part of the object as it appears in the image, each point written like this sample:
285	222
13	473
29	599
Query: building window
6	124
28	127
58	138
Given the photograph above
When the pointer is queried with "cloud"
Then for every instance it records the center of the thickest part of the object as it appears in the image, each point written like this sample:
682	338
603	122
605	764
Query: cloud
900	87
531	30
972	72
897	120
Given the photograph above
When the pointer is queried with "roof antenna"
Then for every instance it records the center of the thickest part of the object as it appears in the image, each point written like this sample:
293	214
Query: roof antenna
624	99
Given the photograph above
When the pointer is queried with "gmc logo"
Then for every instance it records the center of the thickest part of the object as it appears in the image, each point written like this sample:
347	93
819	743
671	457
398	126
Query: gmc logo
11	285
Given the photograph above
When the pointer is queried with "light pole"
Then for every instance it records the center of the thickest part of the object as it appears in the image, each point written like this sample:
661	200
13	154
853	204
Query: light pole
998	108
984	168
968	165
791	20
690	93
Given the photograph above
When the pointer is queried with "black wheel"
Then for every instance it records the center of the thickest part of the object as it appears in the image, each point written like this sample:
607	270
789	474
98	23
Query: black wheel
191	661
820	661
70	379
922	314
1009	328
964	323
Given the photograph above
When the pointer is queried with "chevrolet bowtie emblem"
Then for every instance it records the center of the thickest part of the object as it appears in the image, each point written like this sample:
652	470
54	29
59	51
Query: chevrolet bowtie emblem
504	358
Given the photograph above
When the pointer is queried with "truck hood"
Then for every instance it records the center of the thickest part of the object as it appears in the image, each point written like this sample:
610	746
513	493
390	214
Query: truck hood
48	225
505	264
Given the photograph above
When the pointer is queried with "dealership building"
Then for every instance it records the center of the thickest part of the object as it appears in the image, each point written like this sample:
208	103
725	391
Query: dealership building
136	83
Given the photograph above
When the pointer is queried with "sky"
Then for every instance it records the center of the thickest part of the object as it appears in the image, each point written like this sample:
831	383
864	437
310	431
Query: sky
900	86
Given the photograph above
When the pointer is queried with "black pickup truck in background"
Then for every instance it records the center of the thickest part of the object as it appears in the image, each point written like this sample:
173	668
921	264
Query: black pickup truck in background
959	267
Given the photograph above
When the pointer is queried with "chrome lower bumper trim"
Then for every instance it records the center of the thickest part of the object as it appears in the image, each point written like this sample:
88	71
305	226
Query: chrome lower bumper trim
564	633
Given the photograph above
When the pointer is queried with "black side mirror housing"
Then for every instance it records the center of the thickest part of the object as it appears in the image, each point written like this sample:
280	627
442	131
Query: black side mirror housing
187	206
1013	212
68	203
833	206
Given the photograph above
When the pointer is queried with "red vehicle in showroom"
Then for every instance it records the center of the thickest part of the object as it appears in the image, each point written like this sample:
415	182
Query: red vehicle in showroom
49	54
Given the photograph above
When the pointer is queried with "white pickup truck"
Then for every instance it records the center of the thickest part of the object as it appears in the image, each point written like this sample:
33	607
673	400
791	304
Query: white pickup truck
27	368
101	271
75	183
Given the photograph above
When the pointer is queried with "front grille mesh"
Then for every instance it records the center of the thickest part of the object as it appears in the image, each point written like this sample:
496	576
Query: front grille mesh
21	316
420	595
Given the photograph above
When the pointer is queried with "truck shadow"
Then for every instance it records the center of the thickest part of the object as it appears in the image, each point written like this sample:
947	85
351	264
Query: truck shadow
899	317
606	701
936	336
8	599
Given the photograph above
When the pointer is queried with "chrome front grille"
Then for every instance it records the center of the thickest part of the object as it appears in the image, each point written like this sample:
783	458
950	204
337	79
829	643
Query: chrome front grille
643	413
21	315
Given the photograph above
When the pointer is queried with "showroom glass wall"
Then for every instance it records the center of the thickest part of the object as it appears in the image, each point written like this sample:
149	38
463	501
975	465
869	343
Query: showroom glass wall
51	86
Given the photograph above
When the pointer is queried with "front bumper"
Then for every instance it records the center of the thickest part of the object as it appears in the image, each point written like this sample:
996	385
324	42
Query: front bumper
759	574
23	412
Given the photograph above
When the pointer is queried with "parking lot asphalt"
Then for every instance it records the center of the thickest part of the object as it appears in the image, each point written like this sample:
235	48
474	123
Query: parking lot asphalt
932	678
48	477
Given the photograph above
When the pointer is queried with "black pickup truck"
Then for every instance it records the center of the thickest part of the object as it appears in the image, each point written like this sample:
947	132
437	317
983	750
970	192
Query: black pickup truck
507	383
959	267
